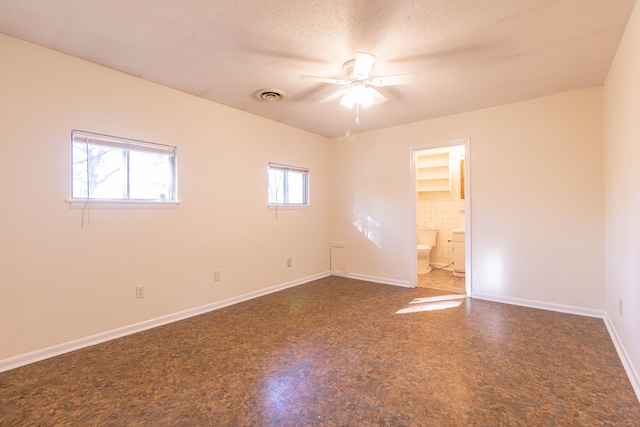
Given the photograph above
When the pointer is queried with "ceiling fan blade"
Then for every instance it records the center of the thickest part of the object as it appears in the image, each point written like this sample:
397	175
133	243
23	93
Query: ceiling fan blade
398	79
378	98
363	65
335	95
325	80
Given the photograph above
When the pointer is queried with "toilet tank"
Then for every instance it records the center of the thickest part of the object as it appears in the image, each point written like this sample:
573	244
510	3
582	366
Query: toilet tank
427	236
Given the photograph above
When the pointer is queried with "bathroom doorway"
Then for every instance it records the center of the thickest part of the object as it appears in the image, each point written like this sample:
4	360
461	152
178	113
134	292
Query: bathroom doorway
441	202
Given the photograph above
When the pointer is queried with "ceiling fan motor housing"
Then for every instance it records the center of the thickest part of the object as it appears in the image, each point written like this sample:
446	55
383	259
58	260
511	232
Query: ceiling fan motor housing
360	67
348	68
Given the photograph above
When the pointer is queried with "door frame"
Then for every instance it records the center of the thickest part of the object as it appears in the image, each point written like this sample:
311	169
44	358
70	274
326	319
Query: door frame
467	207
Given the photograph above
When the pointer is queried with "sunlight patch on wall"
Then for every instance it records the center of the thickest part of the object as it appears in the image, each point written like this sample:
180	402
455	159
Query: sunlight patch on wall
367	226
495	272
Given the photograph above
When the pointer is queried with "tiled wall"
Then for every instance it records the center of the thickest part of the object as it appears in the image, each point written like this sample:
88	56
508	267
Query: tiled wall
446	215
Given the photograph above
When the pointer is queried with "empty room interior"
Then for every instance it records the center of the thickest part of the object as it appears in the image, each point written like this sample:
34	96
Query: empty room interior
338	213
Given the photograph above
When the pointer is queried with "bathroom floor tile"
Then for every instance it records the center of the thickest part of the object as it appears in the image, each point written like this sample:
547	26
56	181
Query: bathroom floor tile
443	280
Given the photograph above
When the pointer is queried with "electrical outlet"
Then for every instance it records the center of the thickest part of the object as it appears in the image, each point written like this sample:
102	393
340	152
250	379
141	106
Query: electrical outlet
288	262
140	291
216	276
620	305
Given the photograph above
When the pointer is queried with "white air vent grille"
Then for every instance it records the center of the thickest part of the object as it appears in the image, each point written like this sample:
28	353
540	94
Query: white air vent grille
270	95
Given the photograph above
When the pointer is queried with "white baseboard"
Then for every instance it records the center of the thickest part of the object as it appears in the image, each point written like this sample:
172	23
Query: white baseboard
541	305
58	349
624	356
383	280
339	274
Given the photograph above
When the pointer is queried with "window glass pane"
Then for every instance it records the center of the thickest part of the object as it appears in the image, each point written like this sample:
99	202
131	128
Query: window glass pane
150	176
295	187
276	186
106	172
112	168
288	185
79	170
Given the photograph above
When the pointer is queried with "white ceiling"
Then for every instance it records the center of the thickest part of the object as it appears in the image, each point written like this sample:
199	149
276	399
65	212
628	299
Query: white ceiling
470	53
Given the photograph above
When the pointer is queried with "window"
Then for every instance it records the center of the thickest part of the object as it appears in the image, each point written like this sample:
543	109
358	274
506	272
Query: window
117	169
288	185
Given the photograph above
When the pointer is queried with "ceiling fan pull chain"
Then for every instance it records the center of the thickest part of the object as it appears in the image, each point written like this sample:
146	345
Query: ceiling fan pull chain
357	113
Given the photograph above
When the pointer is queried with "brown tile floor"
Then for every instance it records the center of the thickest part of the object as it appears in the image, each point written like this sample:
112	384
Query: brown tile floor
333	352
443	280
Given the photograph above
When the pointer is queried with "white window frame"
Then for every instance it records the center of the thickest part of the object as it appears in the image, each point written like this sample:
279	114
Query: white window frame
306	186
127	145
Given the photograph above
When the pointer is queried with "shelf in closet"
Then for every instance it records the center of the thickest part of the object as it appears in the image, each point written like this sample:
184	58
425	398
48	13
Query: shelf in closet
433	172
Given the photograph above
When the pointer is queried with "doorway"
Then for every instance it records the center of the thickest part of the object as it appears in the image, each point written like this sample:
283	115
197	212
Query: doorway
441	200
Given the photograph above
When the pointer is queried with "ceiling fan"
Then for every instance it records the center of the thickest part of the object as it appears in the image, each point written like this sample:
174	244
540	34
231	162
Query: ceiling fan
360	90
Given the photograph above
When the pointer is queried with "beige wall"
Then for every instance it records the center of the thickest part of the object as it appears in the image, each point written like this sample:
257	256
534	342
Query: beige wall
59	281
536	196
622	190
537	202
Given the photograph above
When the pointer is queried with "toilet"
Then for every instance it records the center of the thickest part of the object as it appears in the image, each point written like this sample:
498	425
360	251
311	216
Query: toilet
426	242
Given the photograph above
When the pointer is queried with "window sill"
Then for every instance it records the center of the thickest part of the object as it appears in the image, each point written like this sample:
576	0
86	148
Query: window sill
121	204
286	206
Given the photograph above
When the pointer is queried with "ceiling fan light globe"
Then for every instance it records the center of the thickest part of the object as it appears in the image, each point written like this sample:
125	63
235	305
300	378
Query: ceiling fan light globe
365	99
360	94
348	100
377	97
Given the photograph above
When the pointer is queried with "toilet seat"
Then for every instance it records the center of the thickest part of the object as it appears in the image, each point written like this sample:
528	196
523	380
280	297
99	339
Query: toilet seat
423	247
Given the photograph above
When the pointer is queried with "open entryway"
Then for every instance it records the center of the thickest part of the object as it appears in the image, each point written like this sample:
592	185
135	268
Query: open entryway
441	212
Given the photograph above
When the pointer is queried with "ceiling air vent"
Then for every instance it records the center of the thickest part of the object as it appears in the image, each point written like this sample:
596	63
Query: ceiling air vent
269	95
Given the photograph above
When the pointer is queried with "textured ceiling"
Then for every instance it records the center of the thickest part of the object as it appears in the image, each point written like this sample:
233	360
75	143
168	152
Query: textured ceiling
470	53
